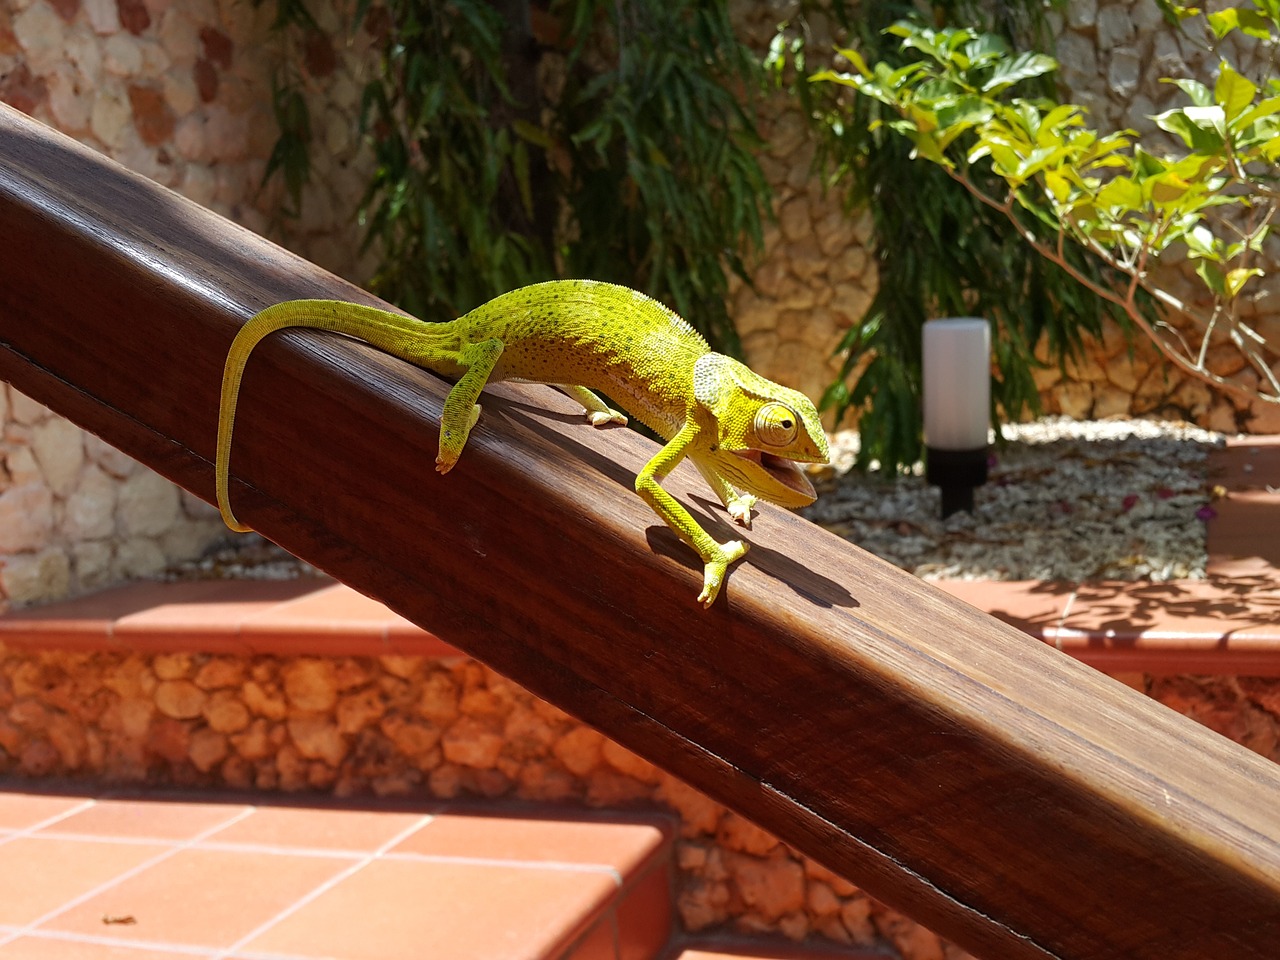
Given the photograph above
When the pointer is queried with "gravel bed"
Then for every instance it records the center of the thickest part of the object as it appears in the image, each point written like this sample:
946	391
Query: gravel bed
1066	500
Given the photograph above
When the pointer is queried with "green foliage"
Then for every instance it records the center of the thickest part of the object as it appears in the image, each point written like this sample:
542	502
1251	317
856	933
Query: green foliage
609	142
1127	206
939	250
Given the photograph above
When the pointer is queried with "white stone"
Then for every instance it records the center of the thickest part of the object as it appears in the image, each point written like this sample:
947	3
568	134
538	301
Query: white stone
58	446
225	134
1147	19
188	135
111	119
115	462
1115	27
90	511
104	15
137	558
195	508
1082	14
793	219
337	134
22	467
198	184
1124	72
121	55
181	94
179	34
67	102
84	52
35	577
155	60
26	518
1078	59
24	410
189	538
91	564
42	35
1167	57
148	505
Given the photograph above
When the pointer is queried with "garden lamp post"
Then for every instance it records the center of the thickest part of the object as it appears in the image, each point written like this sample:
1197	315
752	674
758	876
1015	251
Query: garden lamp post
957	401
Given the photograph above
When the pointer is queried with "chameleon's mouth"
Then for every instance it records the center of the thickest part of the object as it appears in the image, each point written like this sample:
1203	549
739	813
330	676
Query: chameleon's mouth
782	470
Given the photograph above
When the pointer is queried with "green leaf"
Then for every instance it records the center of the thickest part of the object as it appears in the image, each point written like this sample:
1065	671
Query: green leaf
1213	277
1022	67
1236	279
1120	192
1200	95
1197	126
1232	92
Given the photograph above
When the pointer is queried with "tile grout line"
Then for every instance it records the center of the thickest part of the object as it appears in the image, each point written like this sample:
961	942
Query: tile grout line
173	850
64	936
154	946
87	803
323	888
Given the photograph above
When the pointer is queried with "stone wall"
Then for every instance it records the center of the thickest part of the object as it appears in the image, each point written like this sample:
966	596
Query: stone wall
76	514
1113	55
180	92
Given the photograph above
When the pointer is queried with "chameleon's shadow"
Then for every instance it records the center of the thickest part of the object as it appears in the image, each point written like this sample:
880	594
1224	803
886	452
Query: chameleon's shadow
662	540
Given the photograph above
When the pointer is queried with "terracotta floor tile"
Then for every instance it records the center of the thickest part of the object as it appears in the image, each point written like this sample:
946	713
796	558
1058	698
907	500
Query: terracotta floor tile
52	948
39	874
413	909
21	811
200	897
147	819
317	828
1029	605
621	846
644	915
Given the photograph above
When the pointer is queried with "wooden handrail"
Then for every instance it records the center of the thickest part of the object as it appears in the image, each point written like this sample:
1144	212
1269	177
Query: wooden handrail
997	791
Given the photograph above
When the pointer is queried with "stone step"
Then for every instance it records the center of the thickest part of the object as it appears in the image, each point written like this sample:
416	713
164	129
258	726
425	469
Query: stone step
98	873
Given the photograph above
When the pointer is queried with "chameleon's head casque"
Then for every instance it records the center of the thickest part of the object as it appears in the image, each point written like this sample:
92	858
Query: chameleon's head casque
762	430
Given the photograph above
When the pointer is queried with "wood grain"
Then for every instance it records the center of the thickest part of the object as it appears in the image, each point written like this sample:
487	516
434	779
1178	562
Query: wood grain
994	789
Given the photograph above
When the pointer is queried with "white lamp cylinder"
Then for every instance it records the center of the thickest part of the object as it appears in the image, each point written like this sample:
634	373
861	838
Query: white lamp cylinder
957	407
957	383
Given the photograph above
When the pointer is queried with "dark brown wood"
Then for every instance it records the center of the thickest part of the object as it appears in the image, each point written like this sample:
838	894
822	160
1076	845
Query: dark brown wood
1010	798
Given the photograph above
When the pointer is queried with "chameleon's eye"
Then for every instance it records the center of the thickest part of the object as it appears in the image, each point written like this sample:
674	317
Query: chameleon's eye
776	424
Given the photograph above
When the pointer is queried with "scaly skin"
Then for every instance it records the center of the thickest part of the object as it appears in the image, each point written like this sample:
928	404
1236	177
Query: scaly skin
743	432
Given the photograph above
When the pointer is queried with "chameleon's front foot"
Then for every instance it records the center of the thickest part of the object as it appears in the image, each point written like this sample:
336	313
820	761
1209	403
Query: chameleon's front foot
453	437
740	508
717	566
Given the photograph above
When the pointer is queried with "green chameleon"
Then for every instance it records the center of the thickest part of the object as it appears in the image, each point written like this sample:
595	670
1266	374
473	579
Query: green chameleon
741	431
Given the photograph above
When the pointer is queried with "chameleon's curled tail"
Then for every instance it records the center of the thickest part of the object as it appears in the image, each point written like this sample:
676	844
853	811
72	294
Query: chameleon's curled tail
387	331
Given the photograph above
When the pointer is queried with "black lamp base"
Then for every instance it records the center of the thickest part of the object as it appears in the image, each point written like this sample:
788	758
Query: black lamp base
957	472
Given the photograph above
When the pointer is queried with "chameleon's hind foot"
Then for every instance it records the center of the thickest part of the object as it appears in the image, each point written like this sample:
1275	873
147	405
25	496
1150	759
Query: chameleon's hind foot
599	413
602	418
